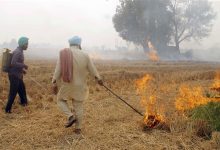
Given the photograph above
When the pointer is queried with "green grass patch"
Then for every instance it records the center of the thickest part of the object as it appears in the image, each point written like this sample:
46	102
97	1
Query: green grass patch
209	113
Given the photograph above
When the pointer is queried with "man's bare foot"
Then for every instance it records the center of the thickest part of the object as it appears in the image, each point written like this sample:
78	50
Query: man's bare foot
78	131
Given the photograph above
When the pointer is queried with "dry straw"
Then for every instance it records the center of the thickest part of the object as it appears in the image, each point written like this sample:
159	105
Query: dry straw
107	123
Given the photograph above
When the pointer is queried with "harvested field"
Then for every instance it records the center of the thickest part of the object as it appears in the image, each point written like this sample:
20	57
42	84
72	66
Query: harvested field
108	123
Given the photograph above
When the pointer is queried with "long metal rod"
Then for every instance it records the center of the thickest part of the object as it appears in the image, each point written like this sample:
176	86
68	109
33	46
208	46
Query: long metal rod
123	101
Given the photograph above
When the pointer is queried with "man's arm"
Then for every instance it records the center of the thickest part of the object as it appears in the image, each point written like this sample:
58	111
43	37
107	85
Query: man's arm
15	63
57	72
93	71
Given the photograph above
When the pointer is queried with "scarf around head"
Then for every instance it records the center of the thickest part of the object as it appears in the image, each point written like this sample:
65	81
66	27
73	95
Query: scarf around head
22	41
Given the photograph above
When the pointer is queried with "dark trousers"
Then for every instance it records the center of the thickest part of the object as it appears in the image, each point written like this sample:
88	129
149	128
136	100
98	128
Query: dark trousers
16	86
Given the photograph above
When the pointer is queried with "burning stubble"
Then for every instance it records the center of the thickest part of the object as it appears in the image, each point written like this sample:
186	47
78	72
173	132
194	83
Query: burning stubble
188	97
153	117
216	84
152	54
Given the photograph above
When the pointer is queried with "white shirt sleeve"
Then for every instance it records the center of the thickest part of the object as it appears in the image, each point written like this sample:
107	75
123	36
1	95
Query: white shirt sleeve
57	72
92	69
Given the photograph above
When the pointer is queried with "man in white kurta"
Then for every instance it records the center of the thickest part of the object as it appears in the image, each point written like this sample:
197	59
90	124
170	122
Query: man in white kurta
77	90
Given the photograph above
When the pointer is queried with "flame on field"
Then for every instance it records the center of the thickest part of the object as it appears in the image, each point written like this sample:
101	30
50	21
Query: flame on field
216	83
190	97
152	54
148	99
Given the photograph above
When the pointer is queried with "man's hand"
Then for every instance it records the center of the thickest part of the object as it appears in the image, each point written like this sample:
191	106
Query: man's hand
100	82
25	67
24	72
55	89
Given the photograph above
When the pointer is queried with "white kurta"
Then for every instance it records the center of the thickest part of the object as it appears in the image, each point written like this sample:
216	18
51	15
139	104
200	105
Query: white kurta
78	88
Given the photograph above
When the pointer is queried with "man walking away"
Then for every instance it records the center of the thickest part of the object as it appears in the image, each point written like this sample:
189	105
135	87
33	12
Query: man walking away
72	69
15	75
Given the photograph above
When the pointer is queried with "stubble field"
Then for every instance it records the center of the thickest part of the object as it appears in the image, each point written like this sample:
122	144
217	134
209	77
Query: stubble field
108	123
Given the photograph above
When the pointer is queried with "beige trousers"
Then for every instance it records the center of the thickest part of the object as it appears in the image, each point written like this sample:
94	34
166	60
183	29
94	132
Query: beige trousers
77	110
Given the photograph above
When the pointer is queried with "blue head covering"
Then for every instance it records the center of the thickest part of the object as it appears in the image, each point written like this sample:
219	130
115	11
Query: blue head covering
75	40
22	41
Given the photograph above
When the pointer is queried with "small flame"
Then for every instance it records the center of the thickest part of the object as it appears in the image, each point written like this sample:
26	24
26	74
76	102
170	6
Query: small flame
148	99
152	54
216	83
190	97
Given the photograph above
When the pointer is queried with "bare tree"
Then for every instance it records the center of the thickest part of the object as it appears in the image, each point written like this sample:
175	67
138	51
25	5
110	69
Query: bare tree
192	19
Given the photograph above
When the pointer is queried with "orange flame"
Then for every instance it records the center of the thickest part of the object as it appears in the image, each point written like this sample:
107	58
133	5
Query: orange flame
216	83
148	98
152	54
190	97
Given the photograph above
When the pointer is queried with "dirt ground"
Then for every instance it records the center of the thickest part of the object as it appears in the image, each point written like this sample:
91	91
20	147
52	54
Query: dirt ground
108	123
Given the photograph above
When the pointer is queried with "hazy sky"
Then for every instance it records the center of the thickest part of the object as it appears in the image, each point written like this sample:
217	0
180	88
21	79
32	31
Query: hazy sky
55	21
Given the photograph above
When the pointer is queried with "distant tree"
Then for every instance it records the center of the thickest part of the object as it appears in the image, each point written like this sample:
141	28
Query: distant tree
191	19
140	20
11	45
